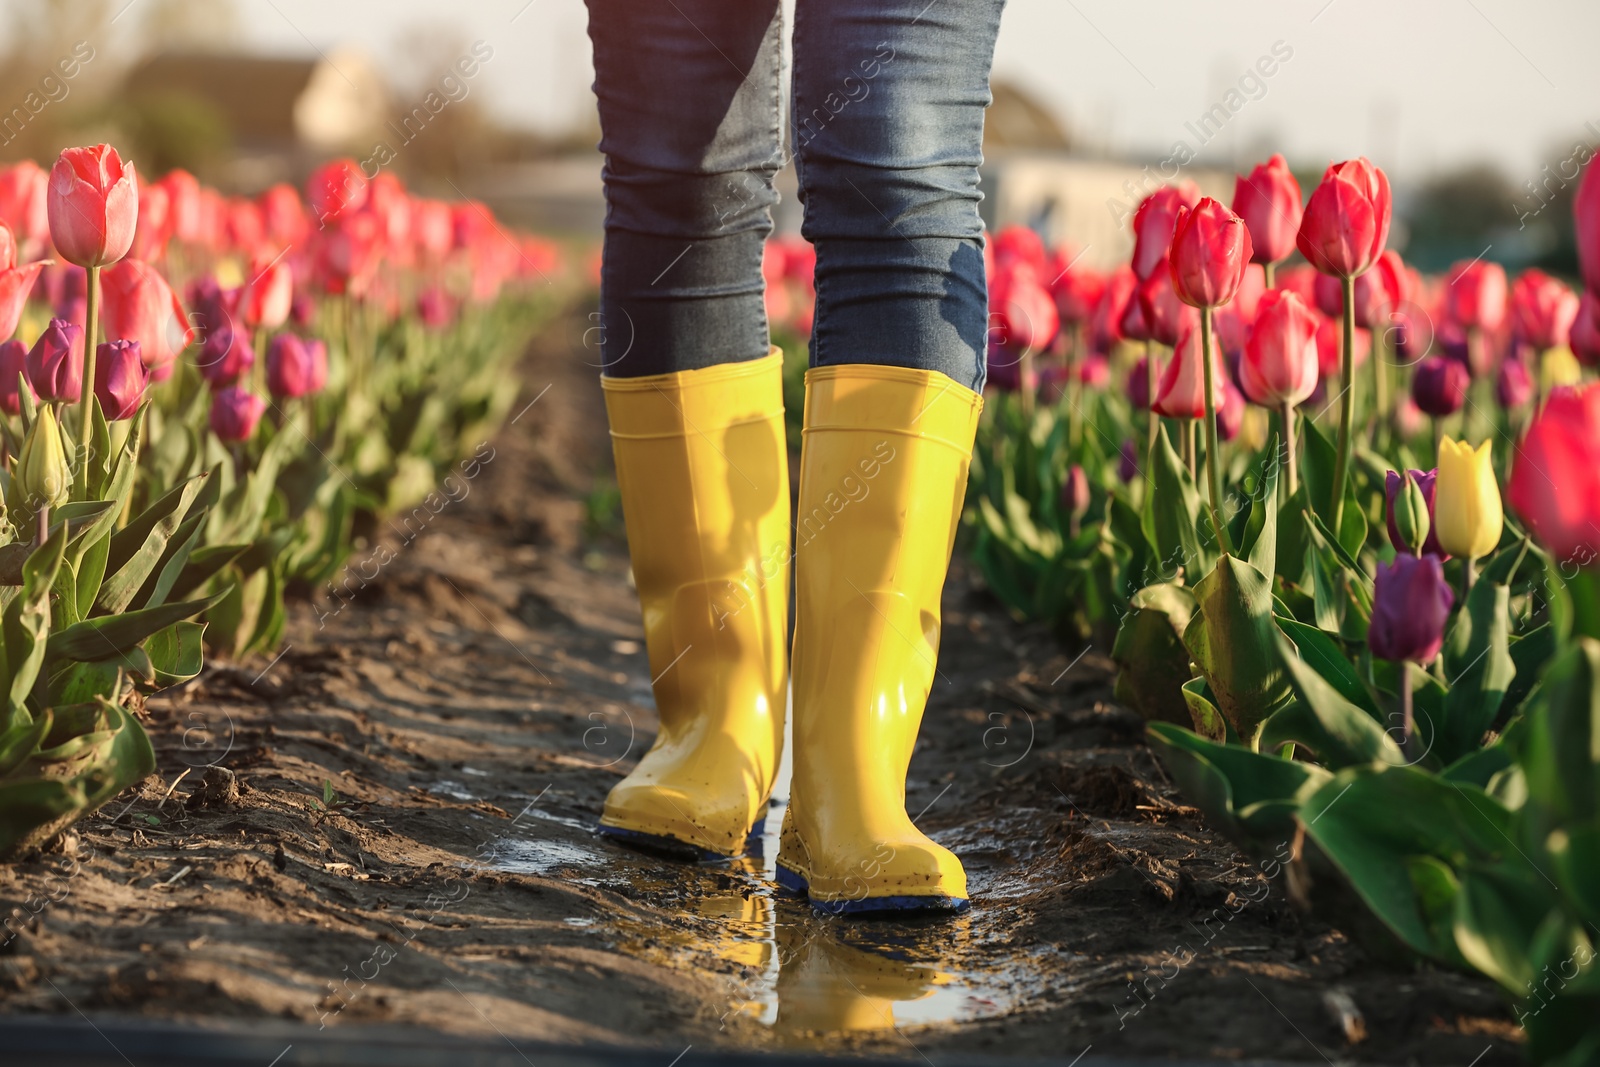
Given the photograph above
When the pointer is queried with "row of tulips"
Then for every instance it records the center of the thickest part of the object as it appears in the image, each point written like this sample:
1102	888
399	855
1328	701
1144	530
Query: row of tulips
1341	531
207	402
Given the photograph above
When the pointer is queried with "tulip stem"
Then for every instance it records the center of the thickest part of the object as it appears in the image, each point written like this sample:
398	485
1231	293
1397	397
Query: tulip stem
1469	575
1025	385
1212	474
1407	712
91	331
1289	448
1347	404
1380	386
1150	399
1269	274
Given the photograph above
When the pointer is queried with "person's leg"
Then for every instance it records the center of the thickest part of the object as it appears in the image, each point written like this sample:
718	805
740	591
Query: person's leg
688	93
889	100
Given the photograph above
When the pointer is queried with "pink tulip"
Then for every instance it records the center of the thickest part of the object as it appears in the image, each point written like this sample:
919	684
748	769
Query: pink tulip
1542	310
1586	219
283	215
1210	250
1182	392
16	283
1476	296
183	205
93	205
1585	333
154	228
1021	309
1268	200
1280	363
13	374
1165	316
1154	223
1346	222
23	194
269	293
335	188
140	306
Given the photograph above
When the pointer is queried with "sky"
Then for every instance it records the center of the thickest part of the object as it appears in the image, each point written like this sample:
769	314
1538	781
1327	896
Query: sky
1417	85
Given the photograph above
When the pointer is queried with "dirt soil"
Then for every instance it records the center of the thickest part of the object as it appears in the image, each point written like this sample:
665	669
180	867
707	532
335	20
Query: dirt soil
391	822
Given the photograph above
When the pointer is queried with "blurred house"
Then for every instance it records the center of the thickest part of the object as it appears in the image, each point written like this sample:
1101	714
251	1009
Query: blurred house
278	115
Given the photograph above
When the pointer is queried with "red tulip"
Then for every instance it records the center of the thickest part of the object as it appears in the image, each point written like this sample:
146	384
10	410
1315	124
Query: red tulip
1076	289
336	188
1182	392
1378	292
1106	327
1586	218
1346	222
1555	474
140	306
1330	346
1268	200
1542	310
283	215
350	252
1280	359
120	379
1017	244
295	368
13	374
1231	323
23	194
1585	333
1021	309
269	292
16	283
93	205
183	205
154	228
432	227
244	225
1476	295
55	362
1154	223
1210	250
387	199
1300	279
1165	316
235	412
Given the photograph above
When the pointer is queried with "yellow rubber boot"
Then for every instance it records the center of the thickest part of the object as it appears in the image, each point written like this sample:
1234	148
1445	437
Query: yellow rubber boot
703	473
883	471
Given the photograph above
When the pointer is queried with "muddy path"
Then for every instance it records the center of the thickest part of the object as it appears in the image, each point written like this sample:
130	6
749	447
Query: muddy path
389	824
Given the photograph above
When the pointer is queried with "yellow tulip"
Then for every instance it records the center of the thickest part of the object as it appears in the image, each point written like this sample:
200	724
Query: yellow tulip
1558	366
1466	500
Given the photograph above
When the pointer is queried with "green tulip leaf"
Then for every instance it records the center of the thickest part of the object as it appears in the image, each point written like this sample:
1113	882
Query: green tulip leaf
1478	669
1232	639
98	638
1339	732
1152	663
1172	514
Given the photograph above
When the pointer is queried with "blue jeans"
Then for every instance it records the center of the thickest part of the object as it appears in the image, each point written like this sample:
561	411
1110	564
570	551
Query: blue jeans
887	127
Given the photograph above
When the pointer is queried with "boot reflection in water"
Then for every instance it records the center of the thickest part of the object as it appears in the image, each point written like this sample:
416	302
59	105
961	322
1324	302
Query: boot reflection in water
888	100
827	986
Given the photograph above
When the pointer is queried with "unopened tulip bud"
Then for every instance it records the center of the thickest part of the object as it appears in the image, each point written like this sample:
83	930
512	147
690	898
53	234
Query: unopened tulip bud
120	379
235	413
42	472
1409	515
1410	605
55	362
1440	385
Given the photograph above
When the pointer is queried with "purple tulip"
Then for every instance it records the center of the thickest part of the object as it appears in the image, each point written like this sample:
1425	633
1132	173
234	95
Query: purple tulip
1410	605
226	354
434	309
1391	489
1128	465
235	413
1075	492
1139	384
1514	385
55	362
13	361
1440	386
120	379
292	366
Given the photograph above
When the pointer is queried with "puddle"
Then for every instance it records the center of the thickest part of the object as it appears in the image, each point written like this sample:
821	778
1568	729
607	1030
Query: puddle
520	855
445	787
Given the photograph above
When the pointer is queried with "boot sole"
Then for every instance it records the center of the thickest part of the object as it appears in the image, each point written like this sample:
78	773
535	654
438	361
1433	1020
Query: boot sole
675	848
795	883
